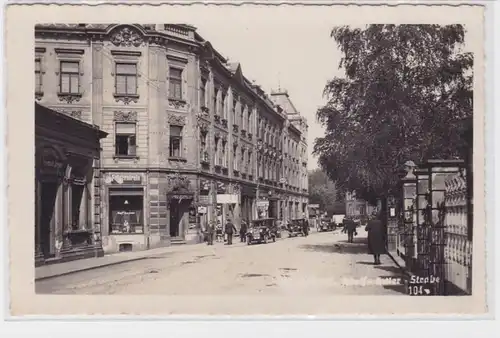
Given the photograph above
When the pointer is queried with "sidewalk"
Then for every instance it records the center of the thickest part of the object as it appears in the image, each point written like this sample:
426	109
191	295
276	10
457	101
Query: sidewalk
60	269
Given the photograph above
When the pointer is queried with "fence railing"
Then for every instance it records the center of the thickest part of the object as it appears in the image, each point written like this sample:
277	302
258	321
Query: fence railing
458	247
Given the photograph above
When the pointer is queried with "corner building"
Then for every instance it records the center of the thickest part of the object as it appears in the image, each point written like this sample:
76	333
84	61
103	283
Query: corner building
190	139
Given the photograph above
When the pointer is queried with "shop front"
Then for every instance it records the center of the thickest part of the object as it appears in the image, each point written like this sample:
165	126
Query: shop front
125	223
181	212
65	151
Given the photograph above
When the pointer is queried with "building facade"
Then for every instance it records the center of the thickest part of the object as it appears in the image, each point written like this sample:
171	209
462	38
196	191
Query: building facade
356	207
190	138
66	151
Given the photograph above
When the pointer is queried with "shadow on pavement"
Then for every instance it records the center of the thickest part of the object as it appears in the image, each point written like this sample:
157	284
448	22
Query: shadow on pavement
356	240
341	248
392	269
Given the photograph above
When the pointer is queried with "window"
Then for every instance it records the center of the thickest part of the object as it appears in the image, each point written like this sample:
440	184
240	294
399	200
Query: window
203	152
175	141
203	88
125	139
216	151
249	123
242	157
126	79
175	83
216	107
249	163
77	194
221	104
38	76
70	77
235	158
224	154
125	212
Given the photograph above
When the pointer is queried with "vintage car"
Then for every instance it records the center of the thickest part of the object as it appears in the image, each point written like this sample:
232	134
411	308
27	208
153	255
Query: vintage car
325	224
262	230
297	227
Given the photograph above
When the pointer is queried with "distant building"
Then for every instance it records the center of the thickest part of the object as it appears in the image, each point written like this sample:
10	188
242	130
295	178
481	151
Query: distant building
357	207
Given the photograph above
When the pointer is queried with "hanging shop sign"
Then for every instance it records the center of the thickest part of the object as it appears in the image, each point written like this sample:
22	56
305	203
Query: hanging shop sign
123	179
228	199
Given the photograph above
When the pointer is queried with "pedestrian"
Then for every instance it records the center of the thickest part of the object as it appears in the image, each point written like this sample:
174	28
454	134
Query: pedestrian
376	238
229	230
350	228
210	233
243	231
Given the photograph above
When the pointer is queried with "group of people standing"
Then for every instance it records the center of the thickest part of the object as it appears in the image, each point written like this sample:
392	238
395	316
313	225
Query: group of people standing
229	230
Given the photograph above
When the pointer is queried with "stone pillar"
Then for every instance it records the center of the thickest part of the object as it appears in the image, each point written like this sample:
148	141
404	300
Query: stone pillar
97	82
38	251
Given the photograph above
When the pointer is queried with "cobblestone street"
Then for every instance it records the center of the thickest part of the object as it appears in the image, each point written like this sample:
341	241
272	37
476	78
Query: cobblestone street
322	263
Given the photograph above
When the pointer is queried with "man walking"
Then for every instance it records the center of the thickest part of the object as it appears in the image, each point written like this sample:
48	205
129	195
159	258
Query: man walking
350	228
243	231
376	238
210	233
229	230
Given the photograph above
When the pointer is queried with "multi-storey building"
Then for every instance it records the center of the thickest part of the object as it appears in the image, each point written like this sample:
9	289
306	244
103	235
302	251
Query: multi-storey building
190	138
356	207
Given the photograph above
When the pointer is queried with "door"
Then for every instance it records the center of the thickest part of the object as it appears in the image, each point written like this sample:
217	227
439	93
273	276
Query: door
174	218
48	196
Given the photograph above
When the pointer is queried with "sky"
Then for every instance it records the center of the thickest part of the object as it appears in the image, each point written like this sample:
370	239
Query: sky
288	58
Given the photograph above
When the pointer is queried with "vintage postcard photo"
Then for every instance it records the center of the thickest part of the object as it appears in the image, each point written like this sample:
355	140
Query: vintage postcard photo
246	160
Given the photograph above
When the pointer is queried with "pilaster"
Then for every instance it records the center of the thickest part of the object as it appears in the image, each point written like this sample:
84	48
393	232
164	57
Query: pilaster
97	82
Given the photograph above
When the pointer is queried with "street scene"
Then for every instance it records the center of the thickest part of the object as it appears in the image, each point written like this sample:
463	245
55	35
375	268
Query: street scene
164	167
322	263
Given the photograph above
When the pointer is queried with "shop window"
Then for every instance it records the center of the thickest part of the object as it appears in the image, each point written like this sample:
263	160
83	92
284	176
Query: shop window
175	141
175	83
126	79
126	212
125	139
69	77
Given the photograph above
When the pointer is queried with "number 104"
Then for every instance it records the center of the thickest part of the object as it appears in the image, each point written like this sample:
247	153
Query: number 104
415	290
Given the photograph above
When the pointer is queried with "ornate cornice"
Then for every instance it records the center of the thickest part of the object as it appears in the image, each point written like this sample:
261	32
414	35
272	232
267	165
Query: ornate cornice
125	116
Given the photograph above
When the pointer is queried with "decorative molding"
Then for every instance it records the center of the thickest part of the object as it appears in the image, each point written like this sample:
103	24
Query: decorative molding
176	103
38	96
126	53
224	137
216	134
177	59
177	120
69	51
178	183
69	97
125	116
126	98
127	37
203	125
40	49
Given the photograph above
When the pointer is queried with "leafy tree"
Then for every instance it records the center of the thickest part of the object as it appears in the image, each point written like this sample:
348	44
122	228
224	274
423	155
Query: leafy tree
322	191
405	88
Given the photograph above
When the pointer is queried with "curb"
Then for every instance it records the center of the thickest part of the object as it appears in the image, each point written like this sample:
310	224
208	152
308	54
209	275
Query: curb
89	268
405	271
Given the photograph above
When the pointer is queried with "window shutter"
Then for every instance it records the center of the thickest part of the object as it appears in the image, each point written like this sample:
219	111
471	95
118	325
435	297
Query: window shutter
125	128
121	84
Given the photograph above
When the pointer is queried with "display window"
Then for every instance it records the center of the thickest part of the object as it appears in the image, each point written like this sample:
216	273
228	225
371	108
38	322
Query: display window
126	212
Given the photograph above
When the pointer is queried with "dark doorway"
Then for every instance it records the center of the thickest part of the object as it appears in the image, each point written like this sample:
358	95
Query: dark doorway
174	217
48	196
272	209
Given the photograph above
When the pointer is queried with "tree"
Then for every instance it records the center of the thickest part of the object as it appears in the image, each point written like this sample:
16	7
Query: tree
404	91
322	191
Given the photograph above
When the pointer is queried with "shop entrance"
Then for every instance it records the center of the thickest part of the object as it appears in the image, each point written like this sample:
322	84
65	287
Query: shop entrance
175	217
48	194
273	209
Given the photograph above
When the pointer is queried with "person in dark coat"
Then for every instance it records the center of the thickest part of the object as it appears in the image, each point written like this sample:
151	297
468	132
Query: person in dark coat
210	233
230	230
243	231
376	238
350	228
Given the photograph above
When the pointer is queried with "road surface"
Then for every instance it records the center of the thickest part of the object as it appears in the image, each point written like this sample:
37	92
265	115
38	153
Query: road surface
322	263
